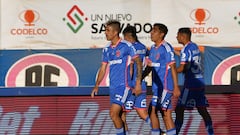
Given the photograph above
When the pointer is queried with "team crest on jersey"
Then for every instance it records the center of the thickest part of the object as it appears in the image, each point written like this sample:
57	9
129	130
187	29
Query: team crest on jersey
118	53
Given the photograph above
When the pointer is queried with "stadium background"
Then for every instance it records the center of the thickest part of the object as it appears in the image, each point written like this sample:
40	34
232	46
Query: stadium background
51	51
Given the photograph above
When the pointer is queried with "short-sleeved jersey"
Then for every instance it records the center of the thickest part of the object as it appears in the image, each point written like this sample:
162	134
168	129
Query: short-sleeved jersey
141	51
191	55
118	59
162	57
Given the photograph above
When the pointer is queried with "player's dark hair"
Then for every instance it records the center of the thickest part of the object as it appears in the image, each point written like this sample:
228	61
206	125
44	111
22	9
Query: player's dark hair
185	30
163	28
132	30
115	24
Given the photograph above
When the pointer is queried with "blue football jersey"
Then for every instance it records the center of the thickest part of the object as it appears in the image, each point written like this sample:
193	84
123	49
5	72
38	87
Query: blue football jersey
162	57
118	59
190	54
141	50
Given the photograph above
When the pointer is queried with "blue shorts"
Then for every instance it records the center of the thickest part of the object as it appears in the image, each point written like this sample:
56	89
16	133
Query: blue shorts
129	104
140	101
191	98
136	102
119	95
162	102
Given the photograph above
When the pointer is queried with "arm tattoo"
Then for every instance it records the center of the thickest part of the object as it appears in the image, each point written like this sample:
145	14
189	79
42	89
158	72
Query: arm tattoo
139	68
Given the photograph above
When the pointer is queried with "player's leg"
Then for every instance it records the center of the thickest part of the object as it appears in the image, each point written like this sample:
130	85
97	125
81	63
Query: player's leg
143	114
155	124
124	119
115	111
181	105
202	104
179	111
116	107
207	119
168	121
128	106
140	106
166	106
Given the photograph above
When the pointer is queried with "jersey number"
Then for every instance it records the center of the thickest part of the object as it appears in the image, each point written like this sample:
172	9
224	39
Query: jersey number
196	68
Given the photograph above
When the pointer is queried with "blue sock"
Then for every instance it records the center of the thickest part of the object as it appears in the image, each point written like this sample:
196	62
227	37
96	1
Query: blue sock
178	125
120	131
209	127
156	131
171	131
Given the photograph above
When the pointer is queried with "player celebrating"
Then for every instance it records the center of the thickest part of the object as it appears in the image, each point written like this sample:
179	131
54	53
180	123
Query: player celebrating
192	94
164	80
116	54
138	102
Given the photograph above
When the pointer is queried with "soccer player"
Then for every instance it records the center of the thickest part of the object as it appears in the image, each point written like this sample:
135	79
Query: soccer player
164	80
193	93
117	54
136	102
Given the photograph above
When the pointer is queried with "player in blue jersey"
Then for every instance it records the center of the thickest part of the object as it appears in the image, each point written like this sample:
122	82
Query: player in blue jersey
193	93
136	102
161	62
116	55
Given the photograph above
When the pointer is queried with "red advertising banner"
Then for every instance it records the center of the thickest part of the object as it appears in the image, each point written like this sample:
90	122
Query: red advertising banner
84	115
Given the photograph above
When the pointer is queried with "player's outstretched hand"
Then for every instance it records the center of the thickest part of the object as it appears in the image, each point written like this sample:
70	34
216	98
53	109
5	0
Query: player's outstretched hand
94	92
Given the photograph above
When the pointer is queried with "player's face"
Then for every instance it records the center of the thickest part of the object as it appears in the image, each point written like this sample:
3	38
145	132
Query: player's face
179	38
110	33
128	37
156	34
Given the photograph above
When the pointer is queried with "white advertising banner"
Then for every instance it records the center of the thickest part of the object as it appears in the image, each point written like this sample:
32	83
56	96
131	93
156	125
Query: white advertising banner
68	24
63	24
213	22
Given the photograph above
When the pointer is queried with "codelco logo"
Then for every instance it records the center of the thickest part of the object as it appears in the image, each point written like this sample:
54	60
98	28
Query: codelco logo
75	19
42	69
29	18
200	16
